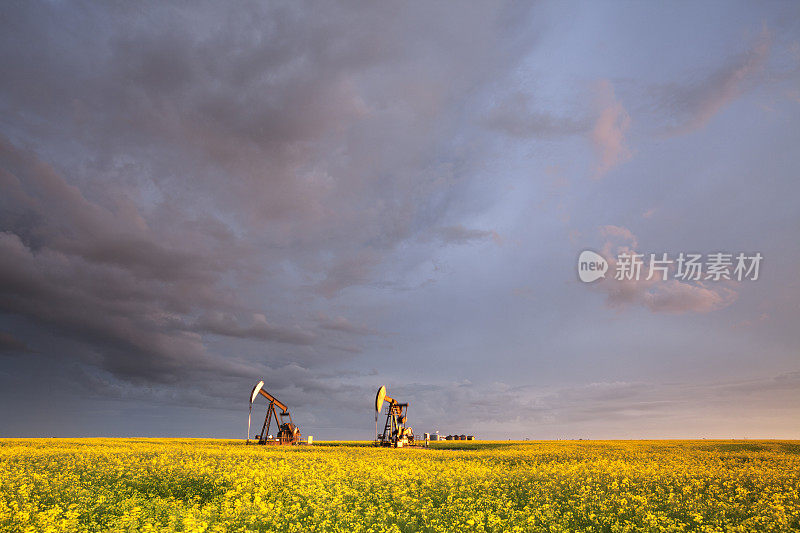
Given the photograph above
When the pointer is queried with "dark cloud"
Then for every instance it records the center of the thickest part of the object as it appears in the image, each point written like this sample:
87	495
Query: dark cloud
99	275
258	328
9	343
175	175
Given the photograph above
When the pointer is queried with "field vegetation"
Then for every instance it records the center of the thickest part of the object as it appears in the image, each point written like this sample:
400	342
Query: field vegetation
217	485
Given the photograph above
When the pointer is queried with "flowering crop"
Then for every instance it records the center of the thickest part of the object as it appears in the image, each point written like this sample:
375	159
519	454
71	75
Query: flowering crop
57	485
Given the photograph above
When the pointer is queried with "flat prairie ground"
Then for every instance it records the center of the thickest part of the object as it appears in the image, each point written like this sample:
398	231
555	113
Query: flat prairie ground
223	485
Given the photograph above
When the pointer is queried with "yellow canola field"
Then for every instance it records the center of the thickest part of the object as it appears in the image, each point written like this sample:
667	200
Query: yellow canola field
215	485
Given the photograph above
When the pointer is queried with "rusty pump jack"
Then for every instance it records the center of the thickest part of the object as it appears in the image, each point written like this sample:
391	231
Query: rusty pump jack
395	433
288	433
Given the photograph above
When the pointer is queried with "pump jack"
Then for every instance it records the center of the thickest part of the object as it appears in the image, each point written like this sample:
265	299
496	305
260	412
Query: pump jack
395	433
288	433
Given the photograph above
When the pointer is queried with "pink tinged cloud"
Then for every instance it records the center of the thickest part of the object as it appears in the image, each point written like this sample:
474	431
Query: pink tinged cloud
619	232
649	213
677	297
700	102
608	134
669	296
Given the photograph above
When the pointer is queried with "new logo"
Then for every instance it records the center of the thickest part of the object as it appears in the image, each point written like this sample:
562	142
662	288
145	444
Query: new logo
591	266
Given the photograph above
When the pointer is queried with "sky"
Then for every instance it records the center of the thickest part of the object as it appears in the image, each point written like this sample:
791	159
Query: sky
335	196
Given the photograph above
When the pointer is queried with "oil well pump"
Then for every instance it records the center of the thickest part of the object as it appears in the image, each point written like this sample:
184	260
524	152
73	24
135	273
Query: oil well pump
395	432
288	433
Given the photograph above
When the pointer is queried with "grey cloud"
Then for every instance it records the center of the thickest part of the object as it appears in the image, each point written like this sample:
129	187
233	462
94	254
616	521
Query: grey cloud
340	323
461	235
115	299
258	328
9	343
287	118
348	272
690	106
163	171
351	349
639	409
513	116
287	128
142	256
605	126
594	410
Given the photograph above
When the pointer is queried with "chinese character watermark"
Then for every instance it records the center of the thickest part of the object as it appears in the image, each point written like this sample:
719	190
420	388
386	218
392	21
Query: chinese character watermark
631	266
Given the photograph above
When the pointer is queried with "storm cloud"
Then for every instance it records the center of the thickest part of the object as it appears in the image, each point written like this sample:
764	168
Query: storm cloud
332	196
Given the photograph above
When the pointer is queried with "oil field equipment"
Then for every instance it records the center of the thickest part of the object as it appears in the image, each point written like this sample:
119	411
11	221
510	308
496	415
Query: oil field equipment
288	433
395	433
